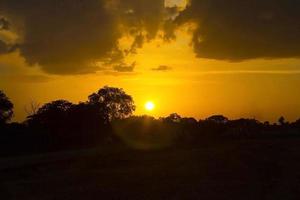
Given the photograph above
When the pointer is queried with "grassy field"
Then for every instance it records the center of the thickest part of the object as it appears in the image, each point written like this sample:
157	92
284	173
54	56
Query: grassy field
249	169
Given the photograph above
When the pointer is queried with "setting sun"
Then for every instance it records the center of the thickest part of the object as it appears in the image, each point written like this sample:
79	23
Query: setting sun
149	106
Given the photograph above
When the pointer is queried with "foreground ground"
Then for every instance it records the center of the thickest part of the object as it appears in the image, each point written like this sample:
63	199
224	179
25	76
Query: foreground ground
253	169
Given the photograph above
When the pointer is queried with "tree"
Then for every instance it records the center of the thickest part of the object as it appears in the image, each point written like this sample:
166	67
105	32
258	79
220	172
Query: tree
174	117
6	108
58	105
297	123
86	123
51	114
114	103
281	121
32	108
219	119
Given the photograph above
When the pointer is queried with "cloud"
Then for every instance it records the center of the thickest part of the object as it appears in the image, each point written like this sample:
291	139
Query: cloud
162	68
69	37
3	47
4	24
142	16
64	36
77	37
237	30
124	68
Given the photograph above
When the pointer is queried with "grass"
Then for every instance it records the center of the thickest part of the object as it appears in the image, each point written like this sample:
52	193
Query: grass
244	169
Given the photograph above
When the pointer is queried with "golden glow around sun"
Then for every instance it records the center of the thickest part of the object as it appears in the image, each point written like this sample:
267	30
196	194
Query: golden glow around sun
149	106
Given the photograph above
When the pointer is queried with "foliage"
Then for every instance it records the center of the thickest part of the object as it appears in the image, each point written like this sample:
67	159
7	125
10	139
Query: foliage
174	117
281	121
6	108
51	114
220	119
106	118
115	103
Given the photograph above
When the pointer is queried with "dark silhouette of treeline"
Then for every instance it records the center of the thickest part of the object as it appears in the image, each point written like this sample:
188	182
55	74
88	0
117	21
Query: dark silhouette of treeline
106	119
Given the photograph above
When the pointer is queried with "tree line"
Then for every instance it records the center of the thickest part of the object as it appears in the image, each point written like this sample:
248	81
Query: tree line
107	118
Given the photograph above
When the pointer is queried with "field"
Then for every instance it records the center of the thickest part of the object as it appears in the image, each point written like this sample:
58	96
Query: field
241	169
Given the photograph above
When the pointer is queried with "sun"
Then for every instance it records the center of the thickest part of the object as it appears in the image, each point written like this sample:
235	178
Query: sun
149	106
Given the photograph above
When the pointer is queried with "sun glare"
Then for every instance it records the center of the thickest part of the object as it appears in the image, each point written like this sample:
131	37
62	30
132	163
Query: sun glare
149	106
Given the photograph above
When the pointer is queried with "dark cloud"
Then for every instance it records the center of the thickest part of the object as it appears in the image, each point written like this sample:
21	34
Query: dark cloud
162	68
137	43
4	24
64	36
77	36
7	48
124	68
237	30
142	16
73	36
3	47
144	19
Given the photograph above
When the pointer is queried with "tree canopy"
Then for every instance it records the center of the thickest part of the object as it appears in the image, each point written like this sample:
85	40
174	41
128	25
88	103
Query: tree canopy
6	108
51	113
116	103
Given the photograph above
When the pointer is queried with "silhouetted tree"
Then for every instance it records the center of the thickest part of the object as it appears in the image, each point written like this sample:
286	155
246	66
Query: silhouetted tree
114	103
219	119
281	121
174	117
267	123
297	123
87	122
244	127
189	120
6	108
32	108
51	114
189	131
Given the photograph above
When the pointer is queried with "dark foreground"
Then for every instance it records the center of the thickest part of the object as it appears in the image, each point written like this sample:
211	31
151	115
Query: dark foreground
253	169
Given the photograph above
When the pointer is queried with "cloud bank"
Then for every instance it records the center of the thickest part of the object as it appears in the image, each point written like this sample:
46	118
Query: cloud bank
237	30
77	36
124	68
73	36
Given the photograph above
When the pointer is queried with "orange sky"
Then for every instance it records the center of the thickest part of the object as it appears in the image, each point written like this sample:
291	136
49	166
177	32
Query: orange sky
199	87
264	89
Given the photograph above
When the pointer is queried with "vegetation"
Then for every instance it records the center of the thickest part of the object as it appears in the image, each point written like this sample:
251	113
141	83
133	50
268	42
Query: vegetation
6	108
106	118
103	151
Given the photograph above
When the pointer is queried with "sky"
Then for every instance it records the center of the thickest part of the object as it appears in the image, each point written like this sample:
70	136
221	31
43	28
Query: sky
196	58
